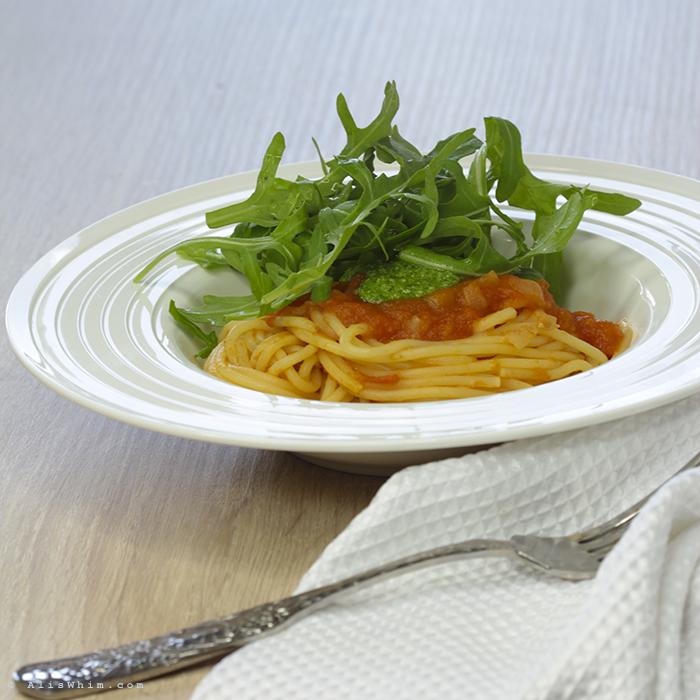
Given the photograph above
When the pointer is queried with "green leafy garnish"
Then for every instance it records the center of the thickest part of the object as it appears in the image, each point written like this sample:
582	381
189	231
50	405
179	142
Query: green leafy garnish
432	220
207	340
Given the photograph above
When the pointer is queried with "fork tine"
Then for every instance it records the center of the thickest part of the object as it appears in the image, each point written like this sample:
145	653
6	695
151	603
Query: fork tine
603	541
603	550
606	535
558	556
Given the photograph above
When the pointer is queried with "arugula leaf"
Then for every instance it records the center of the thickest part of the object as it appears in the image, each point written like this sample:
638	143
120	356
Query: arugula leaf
219	310
394	148
459	145
273	200
424	257
209	340
477	178
468	199
359	140
204	257
551	233
482	256
551	268
515	181
610	202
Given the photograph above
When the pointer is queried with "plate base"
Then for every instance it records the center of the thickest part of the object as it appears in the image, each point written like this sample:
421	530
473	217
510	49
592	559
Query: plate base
383	463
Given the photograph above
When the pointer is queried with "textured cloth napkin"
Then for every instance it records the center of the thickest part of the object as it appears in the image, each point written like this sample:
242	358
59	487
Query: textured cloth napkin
491	628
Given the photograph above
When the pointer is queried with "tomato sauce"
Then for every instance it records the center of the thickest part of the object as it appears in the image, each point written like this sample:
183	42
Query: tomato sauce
448	314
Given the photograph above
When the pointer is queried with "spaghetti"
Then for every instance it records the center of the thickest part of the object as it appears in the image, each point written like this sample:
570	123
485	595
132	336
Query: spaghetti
443	346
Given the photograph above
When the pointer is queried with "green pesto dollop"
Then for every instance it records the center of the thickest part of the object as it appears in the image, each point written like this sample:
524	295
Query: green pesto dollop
402	280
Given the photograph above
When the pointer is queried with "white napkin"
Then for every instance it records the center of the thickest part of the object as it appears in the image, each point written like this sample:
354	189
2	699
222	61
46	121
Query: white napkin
490	628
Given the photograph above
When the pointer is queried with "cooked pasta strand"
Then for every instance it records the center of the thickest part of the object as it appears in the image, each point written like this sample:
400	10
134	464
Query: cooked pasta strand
318	357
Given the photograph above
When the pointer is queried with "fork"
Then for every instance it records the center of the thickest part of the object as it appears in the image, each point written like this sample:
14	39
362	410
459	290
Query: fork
572	557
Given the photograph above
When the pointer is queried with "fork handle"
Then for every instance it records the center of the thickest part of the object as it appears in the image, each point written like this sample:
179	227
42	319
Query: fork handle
126	665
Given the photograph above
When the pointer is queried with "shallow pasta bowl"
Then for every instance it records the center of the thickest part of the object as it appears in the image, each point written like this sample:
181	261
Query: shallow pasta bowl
79	324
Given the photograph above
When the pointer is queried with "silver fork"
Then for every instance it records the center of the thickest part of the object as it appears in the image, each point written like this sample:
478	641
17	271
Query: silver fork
573	557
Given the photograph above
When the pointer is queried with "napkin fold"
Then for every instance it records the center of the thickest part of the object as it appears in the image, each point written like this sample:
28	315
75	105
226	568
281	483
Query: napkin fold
490	628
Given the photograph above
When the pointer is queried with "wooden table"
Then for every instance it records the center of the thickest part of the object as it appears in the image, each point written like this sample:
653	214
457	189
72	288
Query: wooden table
111	533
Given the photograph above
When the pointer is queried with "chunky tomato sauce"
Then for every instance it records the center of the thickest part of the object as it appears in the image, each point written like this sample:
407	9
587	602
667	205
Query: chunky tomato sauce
448	314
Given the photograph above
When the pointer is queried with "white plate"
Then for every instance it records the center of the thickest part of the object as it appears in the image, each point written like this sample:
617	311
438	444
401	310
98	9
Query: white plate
79	324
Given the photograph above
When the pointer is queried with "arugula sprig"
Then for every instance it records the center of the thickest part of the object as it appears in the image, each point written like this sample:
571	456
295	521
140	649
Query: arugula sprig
296	237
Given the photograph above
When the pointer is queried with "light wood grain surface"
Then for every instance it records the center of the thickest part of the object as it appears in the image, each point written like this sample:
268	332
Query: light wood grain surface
109	532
